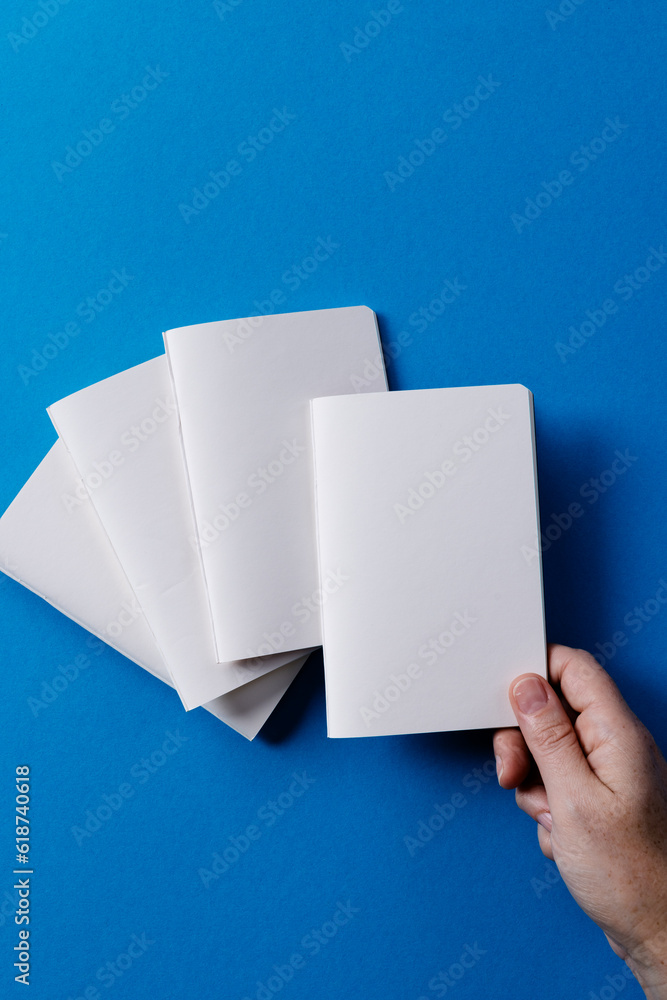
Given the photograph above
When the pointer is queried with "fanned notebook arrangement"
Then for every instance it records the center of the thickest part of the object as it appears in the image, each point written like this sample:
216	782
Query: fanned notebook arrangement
218	512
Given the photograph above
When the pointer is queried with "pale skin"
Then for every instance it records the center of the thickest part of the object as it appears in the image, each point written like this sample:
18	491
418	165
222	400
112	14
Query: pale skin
590	774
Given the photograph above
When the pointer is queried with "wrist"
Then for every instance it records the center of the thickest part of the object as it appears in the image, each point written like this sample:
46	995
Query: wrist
648	962
658	992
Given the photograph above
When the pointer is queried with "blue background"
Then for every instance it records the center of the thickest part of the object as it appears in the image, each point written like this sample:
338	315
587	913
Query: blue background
356	113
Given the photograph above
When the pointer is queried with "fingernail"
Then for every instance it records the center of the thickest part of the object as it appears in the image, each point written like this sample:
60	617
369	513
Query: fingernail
544	819
499	768
530	695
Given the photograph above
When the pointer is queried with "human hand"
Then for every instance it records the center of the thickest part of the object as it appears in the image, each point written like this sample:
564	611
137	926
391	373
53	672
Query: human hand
587	770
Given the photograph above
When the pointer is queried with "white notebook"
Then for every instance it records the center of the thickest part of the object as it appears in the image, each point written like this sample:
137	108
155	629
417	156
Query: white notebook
122	434
424	501
243	389
68	560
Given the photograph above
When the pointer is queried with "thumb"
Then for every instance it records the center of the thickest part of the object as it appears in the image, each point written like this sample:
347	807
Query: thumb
549	736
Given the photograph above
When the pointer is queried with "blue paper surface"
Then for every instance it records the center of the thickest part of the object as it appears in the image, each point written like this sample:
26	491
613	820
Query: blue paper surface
490	179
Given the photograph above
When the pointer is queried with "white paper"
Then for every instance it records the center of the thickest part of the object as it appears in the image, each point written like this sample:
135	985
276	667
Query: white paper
426	501
243	389
122	435
68	560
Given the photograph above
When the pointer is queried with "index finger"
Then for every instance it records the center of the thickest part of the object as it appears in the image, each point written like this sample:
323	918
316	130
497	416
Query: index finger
604	716
582	680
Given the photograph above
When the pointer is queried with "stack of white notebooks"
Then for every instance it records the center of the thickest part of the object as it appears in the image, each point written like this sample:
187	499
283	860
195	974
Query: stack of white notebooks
220	511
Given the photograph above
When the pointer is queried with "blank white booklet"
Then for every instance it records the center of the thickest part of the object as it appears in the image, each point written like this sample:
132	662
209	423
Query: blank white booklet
122	434
425	500
63	555
243	389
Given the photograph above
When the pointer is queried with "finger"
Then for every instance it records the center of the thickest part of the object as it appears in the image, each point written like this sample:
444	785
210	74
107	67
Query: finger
583	682
604	719
512	757
513	760
544	840
550	737
532	799
579	674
